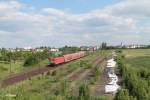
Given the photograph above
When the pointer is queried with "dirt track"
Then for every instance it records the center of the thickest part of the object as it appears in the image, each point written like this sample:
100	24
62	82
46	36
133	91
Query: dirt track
24	75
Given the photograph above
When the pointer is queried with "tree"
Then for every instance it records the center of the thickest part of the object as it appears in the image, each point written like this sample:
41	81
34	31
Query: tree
104	45
69	49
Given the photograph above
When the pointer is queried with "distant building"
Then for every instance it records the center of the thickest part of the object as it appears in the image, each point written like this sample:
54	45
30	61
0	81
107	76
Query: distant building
28	49
39	50
54	50
89	48
84	48
135	46
19	49
10	49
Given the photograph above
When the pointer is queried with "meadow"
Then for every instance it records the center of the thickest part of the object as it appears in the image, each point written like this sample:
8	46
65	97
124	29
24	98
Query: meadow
137	57
7	69
134	67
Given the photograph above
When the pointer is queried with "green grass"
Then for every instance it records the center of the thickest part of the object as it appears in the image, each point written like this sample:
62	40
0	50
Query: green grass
130	53
137	57
6	69
136	72
143	61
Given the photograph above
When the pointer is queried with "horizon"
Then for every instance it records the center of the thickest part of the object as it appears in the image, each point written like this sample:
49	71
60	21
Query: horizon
57	23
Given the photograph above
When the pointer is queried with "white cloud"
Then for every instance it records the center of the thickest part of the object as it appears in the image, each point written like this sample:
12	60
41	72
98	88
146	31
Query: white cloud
10	5
49	26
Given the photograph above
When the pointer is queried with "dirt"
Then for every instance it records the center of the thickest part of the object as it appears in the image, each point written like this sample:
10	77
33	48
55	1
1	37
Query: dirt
99	88
72	76
24	75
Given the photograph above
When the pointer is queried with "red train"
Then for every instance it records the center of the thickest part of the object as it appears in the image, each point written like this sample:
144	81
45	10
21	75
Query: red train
67	58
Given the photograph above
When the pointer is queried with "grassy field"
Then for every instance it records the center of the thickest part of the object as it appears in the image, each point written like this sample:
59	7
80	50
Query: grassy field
137	57
47	86
7	69
134	67
131	53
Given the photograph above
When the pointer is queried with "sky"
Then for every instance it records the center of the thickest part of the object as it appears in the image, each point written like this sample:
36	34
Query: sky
57	23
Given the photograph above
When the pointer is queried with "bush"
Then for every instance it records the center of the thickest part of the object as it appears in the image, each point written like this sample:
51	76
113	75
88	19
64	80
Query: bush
31	60
54	73
118	51
123	94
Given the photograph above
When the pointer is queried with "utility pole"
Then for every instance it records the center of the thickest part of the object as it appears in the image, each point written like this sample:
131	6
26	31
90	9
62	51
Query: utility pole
10	64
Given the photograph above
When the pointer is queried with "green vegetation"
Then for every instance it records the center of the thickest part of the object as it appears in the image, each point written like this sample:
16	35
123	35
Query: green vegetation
68	50
35	58
136	74
31	60
96	74
55	85
104	45
17	61
123	94
84	92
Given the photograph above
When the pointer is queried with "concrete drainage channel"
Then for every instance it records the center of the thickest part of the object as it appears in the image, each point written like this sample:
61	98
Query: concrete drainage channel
112	86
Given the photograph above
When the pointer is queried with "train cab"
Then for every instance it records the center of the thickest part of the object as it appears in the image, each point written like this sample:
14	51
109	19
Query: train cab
57	60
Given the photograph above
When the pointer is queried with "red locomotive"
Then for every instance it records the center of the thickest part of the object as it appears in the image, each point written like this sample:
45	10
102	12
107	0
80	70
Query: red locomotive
67	58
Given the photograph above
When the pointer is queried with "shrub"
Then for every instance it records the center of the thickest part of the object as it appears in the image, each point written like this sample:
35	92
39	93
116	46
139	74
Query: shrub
31	60
123	94
54	73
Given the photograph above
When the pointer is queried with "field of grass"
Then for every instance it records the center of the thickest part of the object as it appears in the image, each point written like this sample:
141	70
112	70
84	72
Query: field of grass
134	67
7	69
137	57
131	53
46	86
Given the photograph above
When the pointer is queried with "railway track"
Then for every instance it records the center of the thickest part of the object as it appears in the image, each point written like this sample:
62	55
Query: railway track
75	75
79	73
84	75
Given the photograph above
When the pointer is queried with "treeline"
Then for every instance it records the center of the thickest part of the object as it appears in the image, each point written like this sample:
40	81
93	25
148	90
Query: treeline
69	49
29	58
35	58
136	84
7	56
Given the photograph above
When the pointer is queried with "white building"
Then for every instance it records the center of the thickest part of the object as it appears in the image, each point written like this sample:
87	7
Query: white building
54	50
39	50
